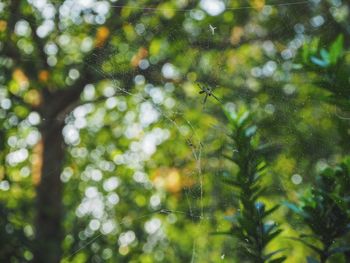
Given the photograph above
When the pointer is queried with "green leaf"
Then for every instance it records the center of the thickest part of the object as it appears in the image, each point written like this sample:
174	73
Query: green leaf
272	236
244	118
267	256
278	260
261	166
316	249
257	194
271	210
231	117
227	157
232	182
308	236
310	49
336	50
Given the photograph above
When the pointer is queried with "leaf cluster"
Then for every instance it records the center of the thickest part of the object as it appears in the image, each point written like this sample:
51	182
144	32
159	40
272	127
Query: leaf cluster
249	224
325	210
331	64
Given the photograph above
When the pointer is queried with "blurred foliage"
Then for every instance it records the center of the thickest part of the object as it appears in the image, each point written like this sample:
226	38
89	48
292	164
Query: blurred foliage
325	210
143	155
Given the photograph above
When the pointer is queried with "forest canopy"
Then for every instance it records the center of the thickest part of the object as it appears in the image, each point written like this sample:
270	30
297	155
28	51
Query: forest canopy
174	131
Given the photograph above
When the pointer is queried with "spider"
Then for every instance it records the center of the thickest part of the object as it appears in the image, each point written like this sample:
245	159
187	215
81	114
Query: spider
208	92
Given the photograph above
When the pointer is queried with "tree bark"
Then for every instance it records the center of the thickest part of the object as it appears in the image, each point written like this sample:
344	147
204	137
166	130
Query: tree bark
49	233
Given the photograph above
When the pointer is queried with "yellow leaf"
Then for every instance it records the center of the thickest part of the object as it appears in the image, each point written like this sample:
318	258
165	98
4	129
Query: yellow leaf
33	97
101	36
3	25
37	162
258	4
43	75
141	54
236	35
19	76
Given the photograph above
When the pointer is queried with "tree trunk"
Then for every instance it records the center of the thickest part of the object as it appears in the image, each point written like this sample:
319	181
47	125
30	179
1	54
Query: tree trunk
49	233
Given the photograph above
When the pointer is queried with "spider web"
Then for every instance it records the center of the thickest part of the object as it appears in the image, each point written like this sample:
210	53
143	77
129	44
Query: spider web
175	119
193	141
170	117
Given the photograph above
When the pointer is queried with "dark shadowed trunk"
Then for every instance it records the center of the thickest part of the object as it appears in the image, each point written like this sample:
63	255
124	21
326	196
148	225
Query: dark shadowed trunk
57	103
48	225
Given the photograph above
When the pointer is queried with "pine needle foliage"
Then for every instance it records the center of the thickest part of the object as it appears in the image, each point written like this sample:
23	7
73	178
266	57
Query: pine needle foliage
249	224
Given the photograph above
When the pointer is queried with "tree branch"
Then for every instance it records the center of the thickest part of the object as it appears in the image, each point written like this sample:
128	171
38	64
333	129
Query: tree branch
64	99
